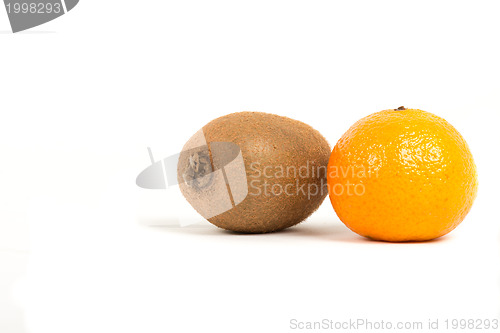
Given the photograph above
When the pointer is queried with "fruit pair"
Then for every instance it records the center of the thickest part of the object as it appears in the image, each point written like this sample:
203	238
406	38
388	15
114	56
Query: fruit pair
396	175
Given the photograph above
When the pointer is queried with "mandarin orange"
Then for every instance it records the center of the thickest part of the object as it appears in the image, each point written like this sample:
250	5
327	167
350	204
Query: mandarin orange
402	175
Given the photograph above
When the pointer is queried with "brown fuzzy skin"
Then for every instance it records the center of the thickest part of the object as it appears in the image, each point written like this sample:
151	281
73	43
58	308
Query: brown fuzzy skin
272	141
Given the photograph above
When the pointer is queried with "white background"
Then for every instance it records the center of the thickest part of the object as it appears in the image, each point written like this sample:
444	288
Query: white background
82	249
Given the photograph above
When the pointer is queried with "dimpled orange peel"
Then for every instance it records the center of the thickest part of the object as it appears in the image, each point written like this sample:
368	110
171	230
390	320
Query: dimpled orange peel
402	175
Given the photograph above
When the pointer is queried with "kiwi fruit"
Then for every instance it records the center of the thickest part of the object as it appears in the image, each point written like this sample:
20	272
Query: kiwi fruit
254	172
